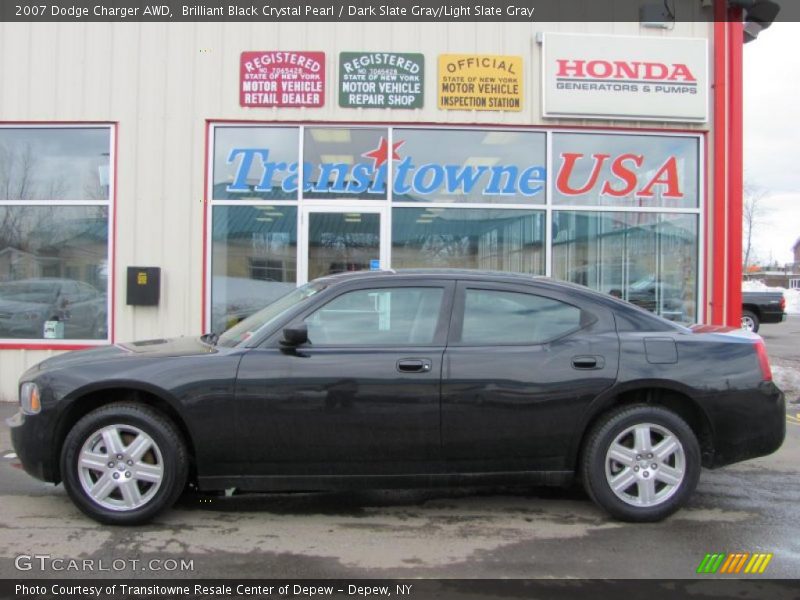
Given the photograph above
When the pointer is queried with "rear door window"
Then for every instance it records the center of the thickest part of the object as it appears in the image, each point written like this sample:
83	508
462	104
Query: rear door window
497	317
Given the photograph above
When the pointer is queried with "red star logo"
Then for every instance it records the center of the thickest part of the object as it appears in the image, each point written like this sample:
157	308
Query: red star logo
381	154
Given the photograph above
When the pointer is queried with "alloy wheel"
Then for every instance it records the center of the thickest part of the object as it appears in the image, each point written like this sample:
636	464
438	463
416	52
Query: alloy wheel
645	465
120	467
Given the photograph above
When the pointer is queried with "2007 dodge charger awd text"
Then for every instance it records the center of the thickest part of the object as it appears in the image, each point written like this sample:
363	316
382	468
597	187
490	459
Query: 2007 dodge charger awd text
407	378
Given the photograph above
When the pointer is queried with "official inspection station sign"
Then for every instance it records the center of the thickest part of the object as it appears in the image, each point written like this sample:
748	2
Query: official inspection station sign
282	79
623	77
381	80
480	82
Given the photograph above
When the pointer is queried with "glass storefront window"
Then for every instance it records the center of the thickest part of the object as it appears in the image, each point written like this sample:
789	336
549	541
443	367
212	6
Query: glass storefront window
348	163
469	238
447	165
649	259
255	162
54	272
44	163
439	177
625	170
253	260
54	255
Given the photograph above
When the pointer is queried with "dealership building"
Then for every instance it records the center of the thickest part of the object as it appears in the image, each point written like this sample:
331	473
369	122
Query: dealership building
166	179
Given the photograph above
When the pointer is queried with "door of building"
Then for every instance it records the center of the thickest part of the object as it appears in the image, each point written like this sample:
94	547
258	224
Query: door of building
341	238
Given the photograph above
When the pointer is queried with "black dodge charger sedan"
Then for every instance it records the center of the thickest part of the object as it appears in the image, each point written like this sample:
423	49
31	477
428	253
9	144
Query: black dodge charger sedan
407	378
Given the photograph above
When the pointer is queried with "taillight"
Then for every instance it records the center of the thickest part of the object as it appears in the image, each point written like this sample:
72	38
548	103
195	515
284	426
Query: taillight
783	303
763	361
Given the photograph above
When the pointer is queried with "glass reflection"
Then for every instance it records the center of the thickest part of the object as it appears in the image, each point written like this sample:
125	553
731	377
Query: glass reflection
53	272
468	238
625	170
253	260
339	242
470	166
648	259
44	163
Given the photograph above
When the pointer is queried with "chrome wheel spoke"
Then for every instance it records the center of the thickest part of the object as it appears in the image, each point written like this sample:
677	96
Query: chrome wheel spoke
138	447
112	440
103	487
647	491
623	480
131	496
665	448
622	454
641	436
93	460
669	475
148	473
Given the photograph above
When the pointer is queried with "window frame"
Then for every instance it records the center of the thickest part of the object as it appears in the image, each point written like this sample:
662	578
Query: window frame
459	309
110	203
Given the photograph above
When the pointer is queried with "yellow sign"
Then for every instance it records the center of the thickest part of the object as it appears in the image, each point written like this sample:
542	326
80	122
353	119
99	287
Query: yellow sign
480	82
141	278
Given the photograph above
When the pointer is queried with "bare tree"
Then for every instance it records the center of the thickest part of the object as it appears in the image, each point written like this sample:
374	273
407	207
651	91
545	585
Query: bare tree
752	213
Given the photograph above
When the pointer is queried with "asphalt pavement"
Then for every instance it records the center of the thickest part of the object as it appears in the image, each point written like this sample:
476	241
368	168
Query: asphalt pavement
459	532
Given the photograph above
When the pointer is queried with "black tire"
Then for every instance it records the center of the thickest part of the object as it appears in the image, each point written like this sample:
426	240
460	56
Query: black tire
753	317
168	442
594	456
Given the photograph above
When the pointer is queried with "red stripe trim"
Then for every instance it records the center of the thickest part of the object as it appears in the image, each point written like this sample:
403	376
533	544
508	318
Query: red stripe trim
735	168
718	262
203	326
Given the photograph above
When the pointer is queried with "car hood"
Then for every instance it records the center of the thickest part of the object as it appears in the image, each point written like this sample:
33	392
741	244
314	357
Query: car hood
158	348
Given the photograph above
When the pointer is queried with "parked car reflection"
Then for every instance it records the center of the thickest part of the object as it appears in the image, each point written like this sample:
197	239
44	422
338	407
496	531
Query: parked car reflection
26	304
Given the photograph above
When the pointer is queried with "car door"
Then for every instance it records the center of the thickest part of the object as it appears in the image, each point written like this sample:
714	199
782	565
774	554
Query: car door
521	365
361	397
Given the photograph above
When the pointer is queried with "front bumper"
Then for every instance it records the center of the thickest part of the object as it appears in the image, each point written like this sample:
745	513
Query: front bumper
32	444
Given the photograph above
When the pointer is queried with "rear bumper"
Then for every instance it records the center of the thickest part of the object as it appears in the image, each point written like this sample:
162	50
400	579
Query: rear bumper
753	428
32	446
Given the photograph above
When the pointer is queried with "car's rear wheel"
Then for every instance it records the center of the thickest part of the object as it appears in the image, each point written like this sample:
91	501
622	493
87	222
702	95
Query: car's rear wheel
641	463
750	321
124	463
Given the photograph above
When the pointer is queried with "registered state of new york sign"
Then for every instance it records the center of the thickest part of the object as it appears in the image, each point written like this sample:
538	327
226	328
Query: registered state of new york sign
282	79
381	80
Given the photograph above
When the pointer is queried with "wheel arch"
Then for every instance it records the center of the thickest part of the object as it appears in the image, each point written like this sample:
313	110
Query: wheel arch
83	401
668	394
753	309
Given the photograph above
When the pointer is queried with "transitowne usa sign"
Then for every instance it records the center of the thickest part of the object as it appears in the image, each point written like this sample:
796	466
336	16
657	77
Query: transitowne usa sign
621	77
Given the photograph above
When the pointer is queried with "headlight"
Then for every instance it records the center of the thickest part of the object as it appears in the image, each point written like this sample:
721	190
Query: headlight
29	398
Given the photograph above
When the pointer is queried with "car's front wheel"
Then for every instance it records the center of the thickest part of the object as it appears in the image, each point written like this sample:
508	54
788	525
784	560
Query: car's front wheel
641	463
124	463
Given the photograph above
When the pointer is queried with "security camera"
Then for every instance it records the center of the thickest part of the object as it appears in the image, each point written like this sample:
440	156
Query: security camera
759	14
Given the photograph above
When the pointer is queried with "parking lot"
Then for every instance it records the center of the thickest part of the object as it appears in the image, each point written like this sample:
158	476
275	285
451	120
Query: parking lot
500	532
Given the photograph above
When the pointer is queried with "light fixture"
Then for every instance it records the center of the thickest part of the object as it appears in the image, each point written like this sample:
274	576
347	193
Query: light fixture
334	159
500	137
330	135
265	219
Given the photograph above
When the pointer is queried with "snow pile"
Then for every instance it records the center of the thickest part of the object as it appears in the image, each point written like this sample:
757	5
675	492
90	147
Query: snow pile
792	296
792	301
756	285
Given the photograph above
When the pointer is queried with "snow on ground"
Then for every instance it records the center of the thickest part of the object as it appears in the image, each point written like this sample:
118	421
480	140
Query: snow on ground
792	296
788	379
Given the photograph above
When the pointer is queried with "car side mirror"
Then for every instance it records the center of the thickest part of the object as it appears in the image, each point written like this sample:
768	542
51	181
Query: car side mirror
295	336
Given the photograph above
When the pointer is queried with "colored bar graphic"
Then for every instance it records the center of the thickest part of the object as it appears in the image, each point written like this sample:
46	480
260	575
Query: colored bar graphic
732	564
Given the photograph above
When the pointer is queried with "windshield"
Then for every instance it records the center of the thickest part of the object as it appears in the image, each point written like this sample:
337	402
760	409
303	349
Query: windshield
245	329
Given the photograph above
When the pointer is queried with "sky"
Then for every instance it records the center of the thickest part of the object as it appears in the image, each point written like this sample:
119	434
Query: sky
772	136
